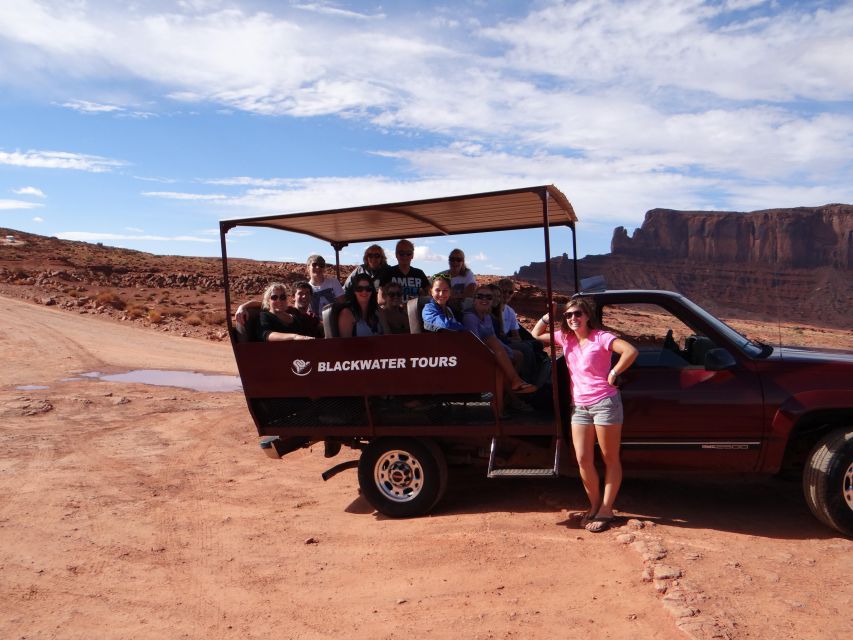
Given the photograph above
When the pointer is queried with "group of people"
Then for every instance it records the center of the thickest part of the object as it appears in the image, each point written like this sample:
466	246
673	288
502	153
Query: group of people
375	296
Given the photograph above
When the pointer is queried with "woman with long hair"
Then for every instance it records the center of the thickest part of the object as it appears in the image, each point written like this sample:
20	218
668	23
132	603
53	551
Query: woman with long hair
373	264
360	316
277	321
596	403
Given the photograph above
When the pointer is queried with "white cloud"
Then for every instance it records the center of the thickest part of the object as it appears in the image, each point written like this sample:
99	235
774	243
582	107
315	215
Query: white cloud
424	253
328	8
84	106
91	236
134	229
59	160
29	191
176	195
6	204
38	219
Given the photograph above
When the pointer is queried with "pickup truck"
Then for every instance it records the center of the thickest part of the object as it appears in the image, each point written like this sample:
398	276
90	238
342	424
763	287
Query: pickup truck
700	397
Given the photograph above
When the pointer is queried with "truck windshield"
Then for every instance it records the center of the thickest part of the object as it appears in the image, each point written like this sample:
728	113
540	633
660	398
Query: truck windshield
753	348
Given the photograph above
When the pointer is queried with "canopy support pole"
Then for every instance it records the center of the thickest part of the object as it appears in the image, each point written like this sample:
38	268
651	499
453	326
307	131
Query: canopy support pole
337	246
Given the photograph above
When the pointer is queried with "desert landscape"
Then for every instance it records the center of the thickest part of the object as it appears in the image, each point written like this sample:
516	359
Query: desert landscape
135	510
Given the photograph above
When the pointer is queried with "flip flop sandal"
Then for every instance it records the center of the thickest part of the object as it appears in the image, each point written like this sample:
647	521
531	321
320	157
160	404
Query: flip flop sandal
599	524
524	387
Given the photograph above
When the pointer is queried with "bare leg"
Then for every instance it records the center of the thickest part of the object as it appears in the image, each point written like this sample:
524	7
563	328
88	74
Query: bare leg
506	365
583	440
609	437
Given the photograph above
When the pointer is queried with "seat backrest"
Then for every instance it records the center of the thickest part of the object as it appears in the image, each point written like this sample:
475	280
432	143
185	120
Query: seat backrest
248	331
415	309
330	319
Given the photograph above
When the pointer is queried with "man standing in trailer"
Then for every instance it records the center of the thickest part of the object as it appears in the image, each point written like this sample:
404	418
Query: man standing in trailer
413	281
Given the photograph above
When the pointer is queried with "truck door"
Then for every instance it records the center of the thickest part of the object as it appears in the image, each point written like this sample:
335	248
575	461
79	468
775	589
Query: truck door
678	414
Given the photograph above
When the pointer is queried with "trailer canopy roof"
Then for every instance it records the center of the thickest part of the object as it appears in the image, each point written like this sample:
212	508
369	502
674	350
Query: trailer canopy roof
493	211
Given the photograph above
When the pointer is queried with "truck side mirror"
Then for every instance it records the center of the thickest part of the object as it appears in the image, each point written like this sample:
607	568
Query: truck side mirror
718	360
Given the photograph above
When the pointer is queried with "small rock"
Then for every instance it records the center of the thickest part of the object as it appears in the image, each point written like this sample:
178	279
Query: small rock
666	572
401	601
36	408
631	616
635	524
661	586
625	538
121	400
646	575
311	540
679	610
693	556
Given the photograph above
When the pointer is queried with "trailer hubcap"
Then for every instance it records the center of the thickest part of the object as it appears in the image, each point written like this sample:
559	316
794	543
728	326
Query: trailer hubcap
398	475
848	486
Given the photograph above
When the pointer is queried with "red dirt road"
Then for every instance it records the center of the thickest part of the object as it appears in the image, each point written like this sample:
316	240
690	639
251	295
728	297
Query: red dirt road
135	511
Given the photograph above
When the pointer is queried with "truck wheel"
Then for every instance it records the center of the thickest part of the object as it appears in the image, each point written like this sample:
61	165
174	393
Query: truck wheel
402	477
828	481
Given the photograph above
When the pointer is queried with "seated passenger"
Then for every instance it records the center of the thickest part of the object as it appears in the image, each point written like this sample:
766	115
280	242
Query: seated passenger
276	322
481	322
360	317
323	290
437	315
373	264
392	309
302	310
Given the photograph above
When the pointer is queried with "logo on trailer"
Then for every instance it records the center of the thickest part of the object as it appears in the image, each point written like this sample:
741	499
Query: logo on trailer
301	367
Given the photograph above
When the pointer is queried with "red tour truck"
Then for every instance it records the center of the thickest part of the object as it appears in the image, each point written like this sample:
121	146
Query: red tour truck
700	397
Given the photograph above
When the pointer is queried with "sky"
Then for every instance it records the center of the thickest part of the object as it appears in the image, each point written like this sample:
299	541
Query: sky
142	124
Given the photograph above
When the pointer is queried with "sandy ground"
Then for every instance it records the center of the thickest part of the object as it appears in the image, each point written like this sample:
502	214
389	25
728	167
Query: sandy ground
136	511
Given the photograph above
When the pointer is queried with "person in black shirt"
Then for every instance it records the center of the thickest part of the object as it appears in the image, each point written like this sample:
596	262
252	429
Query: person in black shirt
277	321
412	281
373	264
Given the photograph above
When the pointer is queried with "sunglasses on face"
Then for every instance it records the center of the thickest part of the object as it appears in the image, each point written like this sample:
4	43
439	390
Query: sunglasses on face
405	254
455	259
373	256
278	296
484	296
573	314
318	265
362	288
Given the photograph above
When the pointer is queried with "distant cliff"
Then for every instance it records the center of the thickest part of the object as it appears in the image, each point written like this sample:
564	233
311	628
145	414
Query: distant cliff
793	264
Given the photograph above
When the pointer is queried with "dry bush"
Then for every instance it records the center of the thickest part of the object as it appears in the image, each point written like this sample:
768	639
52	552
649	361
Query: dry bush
154	316
135	311
109	299
193	320
215	317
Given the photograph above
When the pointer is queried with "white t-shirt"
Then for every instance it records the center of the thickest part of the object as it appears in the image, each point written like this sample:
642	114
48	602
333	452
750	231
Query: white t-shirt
324	294
510	319
458	283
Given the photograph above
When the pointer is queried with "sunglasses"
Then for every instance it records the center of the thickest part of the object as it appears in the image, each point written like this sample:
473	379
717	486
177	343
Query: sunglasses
405	254
484	296
318	265
362	288
456	259
573	314
373	255
278	296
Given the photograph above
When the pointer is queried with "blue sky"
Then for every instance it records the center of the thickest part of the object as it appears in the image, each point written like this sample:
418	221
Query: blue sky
142	124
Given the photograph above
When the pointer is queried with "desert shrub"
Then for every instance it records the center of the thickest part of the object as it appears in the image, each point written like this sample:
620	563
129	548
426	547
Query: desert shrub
215	317
109	299
135	311
193	320
154	316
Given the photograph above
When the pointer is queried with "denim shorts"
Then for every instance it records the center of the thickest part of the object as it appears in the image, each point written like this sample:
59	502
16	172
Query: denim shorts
605	411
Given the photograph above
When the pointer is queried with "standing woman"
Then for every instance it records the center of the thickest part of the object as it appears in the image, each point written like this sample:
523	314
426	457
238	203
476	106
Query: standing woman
596	403
360	317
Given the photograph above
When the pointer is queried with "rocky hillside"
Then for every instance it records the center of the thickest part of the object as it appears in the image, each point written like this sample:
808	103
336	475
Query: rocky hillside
793	264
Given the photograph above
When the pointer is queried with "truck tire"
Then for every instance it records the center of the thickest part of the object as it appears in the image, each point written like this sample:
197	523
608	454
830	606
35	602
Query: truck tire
402	477
828	481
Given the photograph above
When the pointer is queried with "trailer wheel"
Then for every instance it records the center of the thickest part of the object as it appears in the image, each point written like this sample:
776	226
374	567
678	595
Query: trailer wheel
402	477
828	481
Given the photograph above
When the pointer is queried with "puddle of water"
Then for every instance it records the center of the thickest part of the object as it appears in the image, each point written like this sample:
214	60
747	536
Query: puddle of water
185	379
31	387
92	374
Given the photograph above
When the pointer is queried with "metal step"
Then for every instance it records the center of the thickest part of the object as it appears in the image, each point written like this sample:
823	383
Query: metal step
515	472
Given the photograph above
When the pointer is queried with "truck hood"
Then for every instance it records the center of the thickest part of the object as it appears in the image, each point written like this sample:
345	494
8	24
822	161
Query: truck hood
806	354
